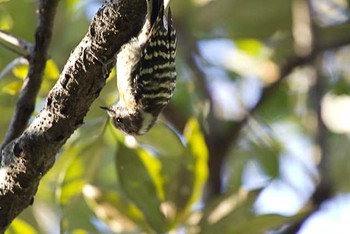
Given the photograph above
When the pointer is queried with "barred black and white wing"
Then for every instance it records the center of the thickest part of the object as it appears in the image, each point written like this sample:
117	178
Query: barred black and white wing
155	82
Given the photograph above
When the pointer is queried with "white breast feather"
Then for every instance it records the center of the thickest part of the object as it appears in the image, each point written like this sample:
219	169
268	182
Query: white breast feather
128	56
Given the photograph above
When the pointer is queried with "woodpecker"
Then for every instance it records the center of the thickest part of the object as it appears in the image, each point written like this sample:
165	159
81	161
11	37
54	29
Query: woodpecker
146	72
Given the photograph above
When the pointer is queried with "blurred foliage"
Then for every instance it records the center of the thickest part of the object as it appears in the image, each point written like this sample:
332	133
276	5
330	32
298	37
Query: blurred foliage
105	182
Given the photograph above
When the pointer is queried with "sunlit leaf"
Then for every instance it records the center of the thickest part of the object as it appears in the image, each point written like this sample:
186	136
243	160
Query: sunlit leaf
237	163
6	21
176	168
250	46
141	185
112	75
265	148
242	220
115	210
79	231
199	153
164	140
84	164
269	159
12	88
112	136
228	208
19	226
279	108
81	163
21	71
51	70
261	224
184	164
72	179
71	4
153	167
78	163
78	216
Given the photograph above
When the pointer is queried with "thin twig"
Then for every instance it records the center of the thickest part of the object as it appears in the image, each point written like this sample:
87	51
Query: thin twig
37	60
13	50
16	42
323	189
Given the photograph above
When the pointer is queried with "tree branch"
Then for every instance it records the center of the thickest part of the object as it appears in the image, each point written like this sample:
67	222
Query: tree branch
16	42
26	159
37	60
324	189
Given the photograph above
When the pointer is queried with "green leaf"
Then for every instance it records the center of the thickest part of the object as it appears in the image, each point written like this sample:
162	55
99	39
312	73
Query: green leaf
228	209
339	168
21	71
140	178
118	212
234	204
261	224
85	162
78	216
280	107
153	167
79	231
265	148
112	75
51	70
72	179
19	226
12	88
250	46
177	175
269	157
233	213
341	87
71	4
164	140
199	156
237	162
86	157
6	21
184	168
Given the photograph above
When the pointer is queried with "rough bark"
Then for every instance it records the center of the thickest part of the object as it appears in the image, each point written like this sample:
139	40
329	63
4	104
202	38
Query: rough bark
27	158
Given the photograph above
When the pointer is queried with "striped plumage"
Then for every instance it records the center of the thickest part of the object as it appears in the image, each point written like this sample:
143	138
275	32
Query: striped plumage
146	73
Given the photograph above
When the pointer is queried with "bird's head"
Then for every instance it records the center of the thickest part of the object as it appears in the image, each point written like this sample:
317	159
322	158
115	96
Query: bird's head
131	123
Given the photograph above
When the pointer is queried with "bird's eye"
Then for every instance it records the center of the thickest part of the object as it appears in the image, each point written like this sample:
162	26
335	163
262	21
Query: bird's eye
119	120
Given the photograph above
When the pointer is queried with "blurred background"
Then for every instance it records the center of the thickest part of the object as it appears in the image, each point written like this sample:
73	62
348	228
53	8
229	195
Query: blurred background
255	139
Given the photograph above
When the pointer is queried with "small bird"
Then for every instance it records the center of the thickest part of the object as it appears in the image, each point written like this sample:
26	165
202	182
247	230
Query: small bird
146	74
